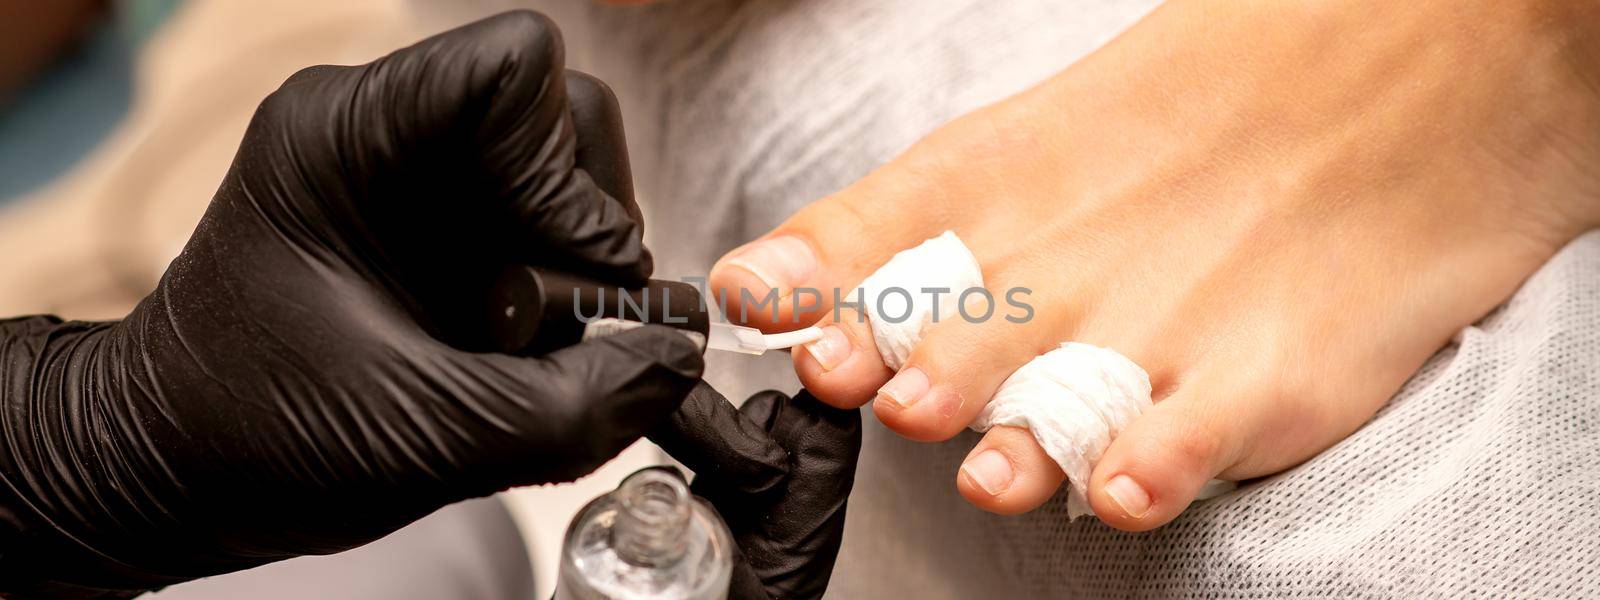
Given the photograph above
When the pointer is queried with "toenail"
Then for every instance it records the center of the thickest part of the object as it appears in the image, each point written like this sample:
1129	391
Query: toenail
1128	495
991	470
781	263
831	349
906	389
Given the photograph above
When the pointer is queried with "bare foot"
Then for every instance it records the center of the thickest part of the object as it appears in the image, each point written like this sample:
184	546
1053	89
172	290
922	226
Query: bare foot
1278	210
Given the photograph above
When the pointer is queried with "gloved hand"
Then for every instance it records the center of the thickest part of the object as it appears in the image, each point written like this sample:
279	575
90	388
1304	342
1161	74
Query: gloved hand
778	470
304	379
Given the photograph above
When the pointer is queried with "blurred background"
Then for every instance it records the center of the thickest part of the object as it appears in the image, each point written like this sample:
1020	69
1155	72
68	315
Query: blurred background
119	118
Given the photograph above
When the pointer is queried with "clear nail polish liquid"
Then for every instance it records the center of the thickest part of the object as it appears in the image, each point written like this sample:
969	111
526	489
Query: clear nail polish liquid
647	539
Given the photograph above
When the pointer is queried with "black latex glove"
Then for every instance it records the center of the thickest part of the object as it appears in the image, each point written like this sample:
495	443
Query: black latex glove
778	470
300	381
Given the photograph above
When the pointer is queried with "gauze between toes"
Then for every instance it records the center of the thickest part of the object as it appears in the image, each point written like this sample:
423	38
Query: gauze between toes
1074	399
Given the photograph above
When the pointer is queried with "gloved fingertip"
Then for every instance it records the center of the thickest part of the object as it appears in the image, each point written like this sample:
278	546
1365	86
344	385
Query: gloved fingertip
602	147
764	408
722	447
526	38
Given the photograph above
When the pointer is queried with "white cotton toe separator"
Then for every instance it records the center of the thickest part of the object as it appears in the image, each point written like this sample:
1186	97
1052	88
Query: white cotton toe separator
1075	399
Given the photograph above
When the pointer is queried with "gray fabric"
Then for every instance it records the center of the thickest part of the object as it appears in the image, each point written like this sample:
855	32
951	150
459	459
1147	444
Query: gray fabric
466	551
1480	478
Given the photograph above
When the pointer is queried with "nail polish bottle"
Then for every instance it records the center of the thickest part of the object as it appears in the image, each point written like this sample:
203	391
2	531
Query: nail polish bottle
649	538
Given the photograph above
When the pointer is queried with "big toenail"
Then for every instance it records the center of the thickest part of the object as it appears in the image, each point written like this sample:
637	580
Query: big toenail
781	263
831	349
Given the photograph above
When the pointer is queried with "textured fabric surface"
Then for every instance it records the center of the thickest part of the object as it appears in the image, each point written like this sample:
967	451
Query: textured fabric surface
1480	478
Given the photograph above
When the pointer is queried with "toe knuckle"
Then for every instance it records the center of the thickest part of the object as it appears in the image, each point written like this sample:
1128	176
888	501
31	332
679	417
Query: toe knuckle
1195	446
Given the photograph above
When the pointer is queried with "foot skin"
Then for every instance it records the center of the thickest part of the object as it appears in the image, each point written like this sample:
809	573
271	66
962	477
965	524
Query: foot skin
1279	211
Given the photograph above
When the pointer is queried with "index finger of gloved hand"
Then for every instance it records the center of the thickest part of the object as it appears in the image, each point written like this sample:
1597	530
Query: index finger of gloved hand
483	112
567	178
575	408
794	275
715	440
602	147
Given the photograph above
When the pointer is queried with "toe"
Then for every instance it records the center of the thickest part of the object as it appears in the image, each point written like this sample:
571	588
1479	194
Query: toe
794	275
843	368
955	369
1008	473
1156	467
